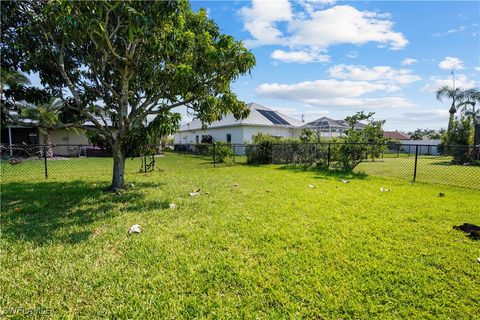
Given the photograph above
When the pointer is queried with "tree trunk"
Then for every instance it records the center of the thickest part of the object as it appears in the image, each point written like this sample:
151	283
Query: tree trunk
47	141
118	168
450	127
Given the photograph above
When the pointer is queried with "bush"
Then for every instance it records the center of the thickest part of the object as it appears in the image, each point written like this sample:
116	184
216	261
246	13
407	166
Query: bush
259	153
202	149
460	136
221	151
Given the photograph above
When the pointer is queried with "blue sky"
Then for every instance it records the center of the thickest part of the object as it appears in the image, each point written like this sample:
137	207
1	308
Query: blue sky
334	58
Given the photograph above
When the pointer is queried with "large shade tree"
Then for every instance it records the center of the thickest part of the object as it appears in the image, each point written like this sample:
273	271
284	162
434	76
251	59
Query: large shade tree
124	61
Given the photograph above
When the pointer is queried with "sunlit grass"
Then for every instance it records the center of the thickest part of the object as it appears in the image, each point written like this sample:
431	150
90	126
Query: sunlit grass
258	242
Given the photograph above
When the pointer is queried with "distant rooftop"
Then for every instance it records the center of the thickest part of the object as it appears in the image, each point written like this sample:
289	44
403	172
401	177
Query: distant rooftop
395	135
328	123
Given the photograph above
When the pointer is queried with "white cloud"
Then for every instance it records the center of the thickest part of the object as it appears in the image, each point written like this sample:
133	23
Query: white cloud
314	29
261	21
352	54
312	5
477	69
383	74
299	56
409	61
450	31
331	92
461	81
344	24
307	114
426	116
450	63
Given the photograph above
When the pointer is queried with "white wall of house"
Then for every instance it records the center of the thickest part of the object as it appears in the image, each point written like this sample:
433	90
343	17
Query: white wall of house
64	136
239	134
250	131
426	146
218	134
298	131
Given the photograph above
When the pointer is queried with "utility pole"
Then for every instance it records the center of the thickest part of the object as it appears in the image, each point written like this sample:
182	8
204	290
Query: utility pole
453	80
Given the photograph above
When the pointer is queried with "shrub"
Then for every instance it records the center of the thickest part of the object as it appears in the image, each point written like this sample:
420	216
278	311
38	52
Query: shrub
259	153
202	149
221	151
461	137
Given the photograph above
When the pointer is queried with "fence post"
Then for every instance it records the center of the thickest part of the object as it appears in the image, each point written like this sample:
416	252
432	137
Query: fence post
214	154
416	161
328	156
398	150
45	160
145	163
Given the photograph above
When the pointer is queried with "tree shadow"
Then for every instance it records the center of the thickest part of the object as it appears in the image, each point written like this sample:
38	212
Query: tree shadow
441	163
323	173
472	231
49	212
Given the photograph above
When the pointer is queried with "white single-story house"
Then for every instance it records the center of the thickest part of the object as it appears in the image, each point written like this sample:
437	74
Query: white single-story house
260	120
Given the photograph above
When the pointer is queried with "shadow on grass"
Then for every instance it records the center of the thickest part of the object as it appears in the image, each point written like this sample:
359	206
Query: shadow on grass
47	212
323	173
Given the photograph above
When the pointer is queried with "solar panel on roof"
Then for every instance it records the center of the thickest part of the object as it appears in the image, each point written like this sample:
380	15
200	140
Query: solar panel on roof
273	117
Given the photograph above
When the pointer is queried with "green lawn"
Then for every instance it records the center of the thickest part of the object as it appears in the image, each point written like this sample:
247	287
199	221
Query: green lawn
257	243
430	169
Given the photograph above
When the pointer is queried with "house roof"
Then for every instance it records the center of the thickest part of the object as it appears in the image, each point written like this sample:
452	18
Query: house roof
395	135
358	125
325	123
328	123
259	116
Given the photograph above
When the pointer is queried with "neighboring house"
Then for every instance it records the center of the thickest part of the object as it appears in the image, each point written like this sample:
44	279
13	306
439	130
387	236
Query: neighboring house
327	127
260	120
27	135
425	147
65	142
395	135
17	134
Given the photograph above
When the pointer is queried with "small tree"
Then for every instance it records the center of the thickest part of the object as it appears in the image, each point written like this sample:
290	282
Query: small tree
221	151
307	135
47	117
359	144
461	136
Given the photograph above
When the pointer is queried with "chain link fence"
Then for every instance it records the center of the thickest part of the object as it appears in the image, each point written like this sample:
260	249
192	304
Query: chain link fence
30	162
448	165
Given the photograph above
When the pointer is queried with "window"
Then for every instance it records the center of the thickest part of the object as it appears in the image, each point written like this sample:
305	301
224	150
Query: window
229	137
207	139
197	139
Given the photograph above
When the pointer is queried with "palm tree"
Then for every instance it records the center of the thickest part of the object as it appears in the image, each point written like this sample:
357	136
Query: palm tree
457	96
472	98
47	116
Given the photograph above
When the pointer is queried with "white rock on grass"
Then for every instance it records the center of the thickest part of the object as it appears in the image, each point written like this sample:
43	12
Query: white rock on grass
311	186
173	206
344	180
134	229
384	189
195	193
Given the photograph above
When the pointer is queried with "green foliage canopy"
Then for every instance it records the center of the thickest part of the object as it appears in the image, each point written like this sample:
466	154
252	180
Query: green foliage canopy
125	61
